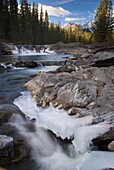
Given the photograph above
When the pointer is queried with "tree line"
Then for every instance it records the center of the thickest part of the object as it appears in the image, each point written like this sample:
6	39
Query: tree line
24	23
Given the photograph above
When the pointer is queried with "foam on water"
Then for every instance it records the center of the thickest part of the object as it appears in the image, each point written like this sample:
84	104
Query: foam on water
24	51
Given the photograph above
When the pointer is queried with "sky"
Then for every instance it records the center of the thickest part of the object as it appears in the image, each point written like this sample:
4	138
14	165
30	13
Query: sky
73	11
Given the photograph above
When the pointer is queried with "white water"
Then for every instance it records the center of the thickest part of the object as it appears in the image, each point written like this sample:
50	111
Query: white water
24	51
48	153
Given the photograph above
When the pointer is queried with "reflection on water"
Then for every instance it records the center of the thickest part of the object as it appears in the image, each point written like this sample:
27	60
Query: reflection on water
14	58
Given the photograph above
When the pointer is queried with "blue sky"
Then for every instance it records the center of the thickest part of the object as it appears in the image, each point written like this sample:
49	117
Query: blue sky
74	11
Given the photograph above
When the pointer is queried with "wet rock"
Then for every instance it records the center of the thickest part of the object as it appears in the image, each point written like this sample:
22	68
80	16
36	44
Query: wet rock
5	141
103	141
7	110
66	68
104	63
50	63
29	64
81	112
111	146
5	49
2	68
108	169
109	117
14	145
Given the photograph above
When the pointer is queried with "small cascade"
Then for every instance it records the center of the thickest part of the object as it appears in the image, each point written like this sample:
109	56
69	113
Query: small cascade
15	50
48	153
25	51
31	51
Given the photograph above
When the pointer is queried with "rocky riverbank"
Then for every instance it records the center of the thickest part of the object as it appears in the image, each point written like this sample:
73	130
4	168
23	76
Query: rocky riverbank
83	86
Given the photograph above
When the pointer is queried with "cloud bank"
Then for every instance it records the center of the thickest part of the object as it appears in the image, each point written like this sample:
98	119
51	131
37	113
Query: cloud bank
55	11
74	19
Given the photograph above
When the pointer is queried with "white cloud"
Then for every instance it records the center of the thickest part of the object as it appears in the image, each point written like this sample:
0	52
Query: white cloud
74	19
92	14
55	11
63	2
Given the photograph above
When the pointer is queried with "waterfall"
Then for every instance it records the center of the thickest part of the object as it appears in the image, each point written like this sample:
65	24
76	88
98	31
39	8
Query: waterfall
31	51
48	153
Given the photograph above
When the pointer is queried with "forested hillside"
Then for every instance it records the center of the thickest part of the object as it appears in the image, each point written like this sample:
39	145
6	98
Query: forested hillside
25	23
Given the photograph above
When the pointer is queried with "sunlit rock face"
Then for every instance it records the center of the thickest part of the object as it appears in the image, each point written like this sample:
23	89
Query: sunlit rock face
78	94
90	88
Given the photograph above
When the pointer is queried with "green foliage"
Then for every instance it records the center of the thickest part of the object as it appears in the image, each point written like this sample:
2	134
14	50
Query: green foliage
104	22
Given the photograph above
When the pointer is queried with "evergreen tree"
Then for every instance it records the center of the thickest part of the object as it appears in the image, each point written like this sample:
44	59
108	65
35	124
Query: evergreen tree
6	15
103	21
35	24
1	20
13	13
41	26
46	27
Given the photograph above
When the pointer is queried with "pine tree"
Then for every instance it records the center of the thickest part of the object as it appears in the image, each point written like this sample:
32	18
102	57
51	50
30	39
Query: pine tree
110	22
103	21
46	27
6	24
13	34
1	19
41	26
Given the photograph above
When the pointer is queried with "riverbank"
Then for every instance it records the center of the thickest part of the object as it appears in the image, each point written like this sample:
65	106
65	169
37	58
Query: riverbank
82	87
76	100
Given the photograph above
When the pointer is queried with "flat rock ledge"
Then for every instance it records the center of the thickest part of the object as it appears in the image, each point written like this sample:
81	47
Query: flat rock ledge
89	90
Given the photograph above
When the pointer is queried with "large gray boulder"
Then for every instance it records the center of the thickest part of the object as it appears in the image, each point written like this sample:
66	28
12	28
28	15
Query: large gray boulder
7	110
90	88
78	94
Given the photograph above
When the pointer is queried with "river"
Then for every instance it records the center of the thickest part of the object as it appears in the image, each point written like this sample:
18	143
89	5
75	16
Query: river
12	81
48	154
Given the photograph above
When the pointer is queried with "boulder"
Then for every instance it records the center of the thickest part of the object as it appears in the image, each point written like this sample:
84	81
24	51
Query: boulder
29	64
5	49
104	142
75	86
111	146
78	94
13	146
7	110
2	68
66	68
70	48
44	86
